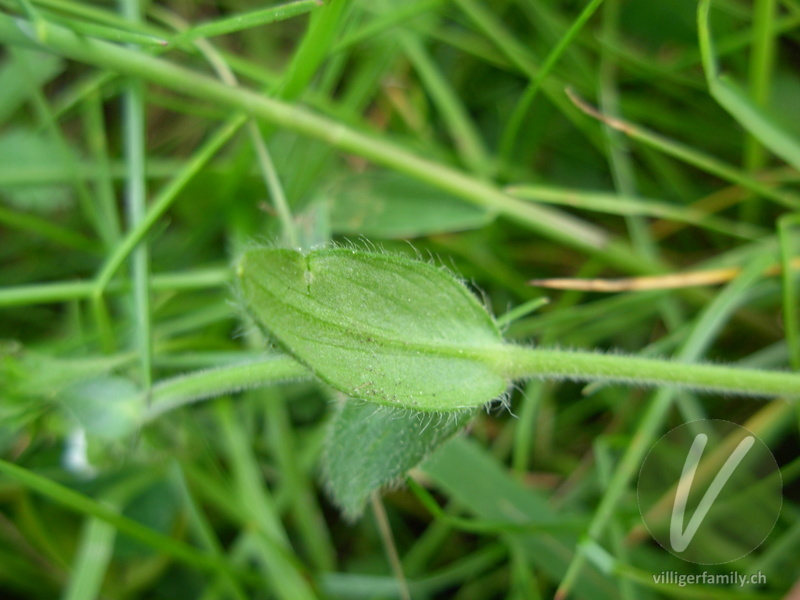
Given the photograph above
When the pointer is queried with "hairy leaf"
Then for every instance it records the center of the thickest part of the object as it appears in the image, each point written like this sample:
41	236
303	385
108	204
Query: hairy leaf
372	446
379	327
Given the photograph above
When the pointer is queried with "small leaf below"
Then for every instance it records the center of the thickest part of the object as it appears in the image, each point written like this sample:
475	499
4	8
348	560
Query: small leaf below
371	446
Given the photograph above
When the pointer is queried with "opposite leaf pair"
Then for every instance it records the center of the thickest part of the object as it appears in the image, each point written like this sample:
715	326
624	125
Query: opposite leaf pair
383	328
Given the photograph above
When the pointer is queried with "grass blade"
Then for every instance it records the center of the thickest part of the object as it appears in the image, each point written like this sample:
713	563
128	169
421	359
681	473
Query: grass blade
750	116
247	20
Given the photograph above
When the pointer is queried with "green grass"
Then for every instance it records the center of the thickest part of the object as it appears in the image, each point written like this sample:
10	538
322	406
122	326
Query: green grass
155	444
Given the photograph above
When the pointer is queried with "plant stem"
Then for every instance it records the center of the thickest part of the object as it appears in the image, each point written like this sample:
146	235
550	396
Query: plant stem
136	205
247	20
174	393
62	291
515	362
522	363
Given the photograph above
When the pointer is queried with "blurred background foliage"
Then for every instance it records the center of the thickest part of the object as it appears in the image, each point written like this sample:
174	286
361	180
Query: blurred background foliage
222	499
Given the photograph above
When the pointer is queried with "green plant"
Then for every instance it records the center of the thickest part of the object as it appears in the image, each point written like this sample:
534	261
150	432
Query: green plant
184	414
403	333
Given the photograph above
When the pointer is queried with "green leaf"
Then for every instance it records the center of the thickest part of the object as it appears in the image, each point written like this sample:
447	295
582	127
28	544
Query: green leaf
378	327
754	119
22	72
757	121
372	446
390	205
26	152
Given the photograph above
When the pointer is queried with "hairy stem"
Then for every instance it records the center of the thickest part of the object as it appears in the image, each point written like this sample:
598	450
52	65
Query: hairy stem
200	385
520	363
514	362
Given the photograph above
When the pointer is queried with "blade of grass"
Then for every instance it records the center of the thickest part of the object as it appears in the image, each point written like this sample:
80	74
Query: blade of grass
273	184
47	229
315	45
164	200
43	293
264	160
734	42
201	526
519	56
247	20
136	209
789	249
49	122
689	155
605	468
471	44
762	60
31	524
104	181
523	585
618	151
466	138
366	587
632	206
90	12
554	225
92	508
759	124
551	23
112	34
20	176
93	556
521	311
96	546
385	20
304	507
533	396
514	123
283	574
33	14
